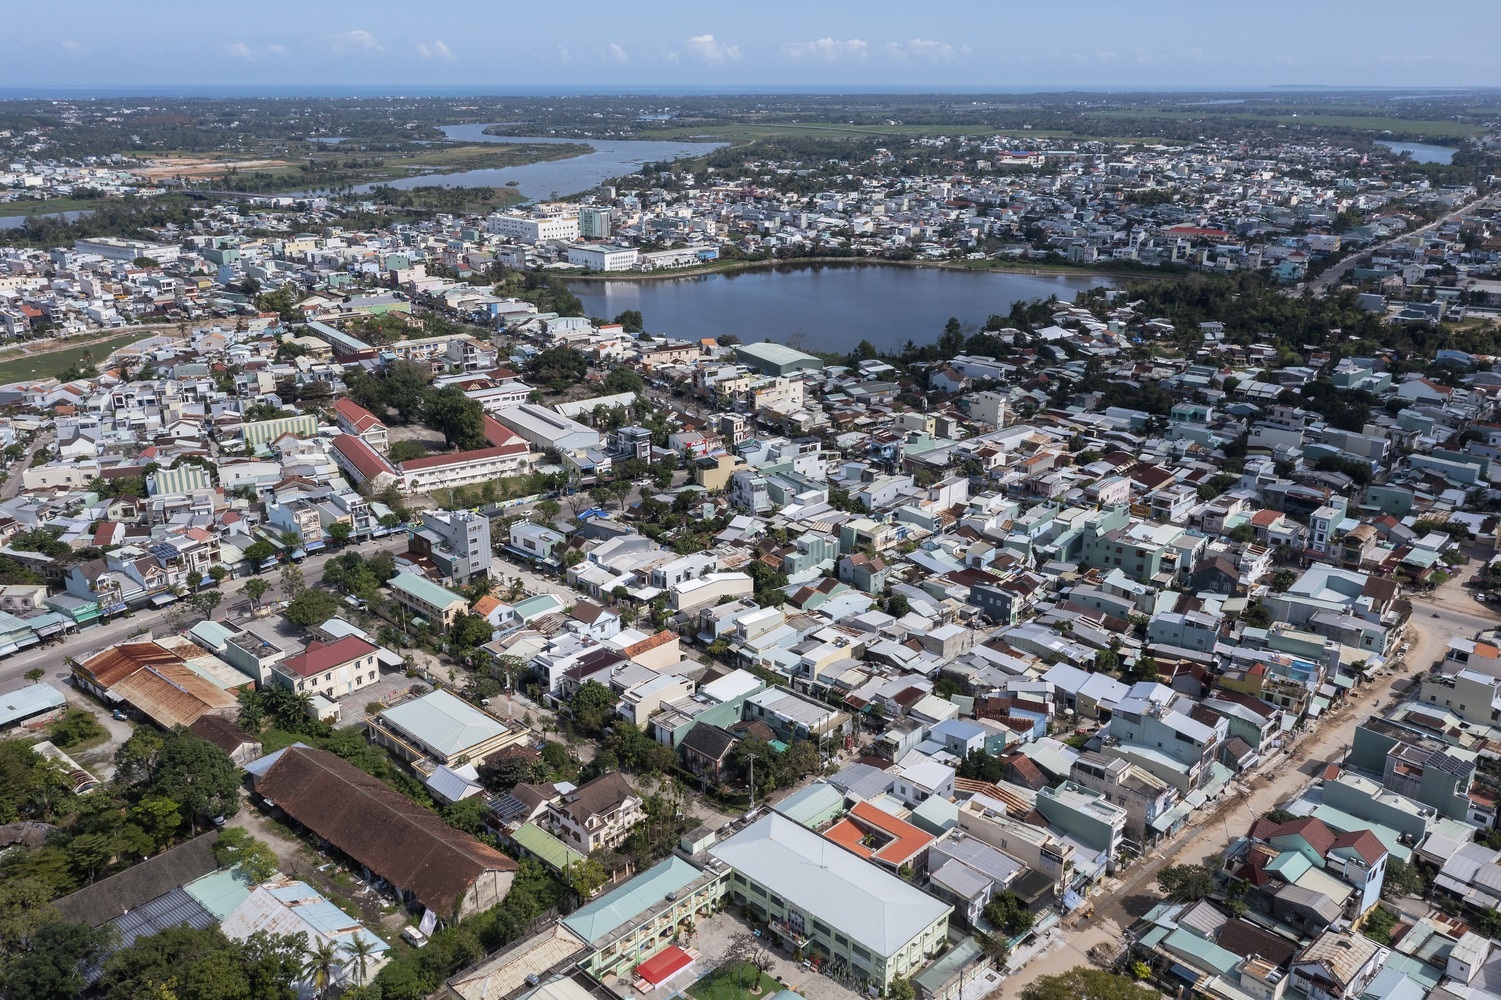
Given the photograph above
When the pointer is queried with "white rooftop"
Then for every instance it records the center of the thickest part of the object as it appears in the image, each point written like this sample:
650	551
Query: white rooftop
874	908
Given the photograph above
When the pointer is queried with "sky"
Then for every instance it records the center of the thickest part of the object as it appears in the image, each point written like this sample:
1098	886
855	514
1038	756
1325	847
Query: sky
505	46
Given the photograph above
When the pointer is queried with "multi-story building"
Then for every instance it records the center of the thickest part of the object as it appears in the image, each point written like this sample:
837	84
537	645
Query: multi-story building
525	229
594	223
825	901
457	541
332	670
426	600
597	814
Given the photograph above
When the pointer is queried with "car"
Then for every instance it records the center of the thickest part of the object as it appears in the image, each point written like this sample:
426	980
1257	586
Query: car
118	715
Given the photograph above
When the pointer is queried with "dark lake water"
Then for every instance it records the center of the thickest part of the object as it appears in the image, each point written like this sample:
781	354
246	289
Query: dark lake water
824	307
611	158
1422	152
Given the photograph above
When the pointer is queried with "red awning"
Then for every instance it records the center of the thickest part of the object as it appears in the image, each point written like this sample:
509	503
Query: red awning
664	965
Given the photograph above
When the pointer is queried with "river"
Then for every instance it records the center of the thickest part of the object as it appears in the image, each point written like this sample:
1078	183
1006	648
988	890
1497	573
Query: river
1422	152
824	307
554	178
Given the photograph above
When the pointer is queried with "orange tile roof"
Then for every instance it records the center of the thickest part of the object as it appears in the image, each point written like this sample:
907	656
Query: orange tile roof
902	840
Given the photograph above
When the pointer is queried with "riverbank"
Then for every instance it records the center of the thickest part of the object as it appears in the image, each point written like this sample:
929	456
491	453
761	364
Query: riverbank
970	266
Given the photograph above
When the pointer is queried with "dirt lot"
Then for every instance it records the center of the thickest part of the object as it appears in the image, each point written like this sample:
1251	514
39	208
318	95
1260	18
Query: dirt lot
431	439
198	166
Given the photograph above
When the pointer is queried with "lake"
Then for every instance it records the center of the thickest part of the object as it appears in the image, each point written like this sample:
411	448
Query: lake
824	307
17	221
611	158
1422	152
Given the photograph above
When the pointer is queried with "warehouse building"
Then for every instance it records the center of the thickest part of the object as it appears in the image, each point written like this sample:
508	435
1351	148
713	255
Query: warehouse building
776	359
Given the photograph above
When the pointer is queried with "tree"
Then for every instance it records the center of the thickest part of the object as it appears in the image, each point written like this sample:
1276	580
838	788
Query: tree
197	775
312	607
901	989
340	532
159	818
1186	883
504	772
77	725
48	963
1083	983
218	573
405	451
188	964
255	589
1402	879
203	604
469	630
586	876
237	848
592	706
621	380
631	320
460	419
1283	579
322	966
358	950
1010	914
258	552
291	582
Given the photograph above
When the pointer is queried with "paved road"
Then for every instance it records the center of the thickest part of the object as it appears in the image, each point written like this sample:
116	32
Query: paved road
1328	278
52	658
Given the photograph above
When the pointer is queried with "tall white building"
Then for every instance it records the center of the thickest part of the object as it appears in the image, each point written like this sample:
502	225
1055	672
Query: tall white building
564	228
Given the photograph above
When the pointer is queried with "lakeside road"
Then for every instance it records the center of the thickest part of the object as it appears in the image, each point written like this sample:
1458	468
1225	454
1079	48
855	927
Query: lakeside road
741	266
1326	280
1275	783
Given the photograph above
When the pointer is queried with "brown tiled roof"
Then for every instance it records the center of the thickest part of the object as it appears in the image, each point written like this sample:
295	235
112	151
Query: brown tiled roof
380	828
601	796
221	733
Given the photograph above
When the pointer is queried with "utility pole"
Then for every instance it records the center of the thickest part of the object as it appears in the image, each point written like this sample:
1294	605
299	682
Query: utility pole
753	782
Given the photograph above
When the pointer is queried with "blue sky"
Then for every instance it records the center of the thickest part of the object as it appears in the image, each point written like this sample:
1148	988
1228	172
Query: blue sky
500	45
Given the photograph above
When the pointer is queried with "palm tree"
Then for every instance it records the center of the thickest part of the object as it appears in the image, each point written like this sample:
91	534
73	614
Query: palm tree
322	963
359	950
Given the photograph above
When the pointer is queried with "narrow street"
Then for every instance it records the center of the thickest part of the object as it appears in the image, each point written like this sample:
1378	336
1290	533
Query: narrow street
1458	614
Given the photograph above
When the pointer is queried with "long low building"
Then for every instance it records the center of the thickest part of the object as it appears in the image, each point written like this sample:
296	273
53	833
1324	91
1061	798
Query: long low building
505	453
547	429
426	860
826	900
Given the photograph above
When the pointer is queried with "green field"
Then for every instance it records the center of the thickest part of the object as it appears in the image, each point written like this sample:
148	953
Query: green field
1360	123
15	368
724	983
31	206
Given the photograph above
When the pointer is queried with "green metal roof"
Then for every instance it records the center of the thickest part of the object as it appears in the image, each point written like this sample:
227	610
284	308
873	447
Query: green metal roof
545	847
425	590
614	909
445	722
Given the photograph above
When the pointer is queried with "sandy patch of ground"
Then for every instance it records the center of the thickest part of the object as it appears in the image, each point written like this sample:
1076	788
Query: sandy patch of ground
197	166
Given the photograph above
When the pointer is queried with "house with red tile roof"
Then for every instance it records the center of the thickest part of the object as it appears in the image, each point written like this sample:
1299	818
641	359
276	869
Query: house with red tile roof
331	669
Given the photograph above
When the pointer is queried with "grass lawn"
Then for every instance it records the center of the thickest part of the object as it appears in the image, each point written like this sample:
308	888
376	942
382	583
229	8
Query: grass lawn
36	206
724	983
24	366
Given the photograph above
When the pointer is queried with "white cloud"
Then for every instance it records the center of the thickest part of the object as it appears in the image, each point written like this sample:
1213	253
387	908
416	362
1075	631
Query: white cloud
74	48
437	50
615	53
924	49
827	49
358	42
708	49
278	50
238	50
